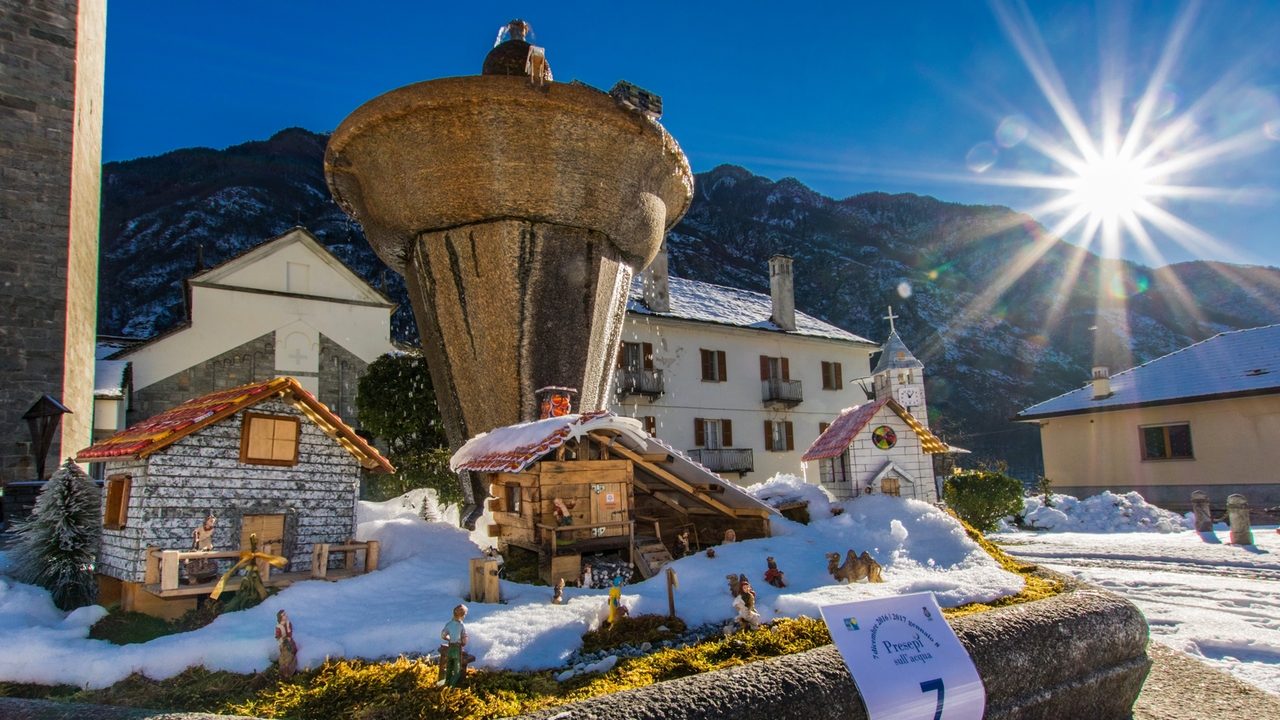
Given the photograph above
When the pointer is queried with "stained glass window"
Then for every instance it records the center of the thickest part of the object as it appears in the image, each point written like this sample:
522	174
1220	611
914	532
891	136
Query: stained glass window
884	437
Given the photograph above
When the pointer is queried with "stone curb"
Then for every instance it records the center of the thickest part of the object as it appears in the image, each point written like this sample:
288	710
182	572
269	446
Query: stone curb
1081	654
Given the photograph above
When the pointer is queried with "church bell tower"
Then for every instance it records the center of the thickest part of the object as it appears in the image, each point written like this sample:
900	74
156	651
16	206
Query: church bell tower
899	375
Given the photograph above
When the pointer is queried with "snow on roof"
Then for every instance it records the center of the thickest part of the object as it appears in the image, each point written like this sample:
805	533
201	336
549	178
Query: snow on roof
1241	362
896	356
841	433
108	378
705	302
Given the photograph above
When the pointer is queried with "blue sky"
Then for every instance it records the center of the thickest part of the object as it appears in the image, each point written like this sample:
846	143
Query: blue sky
848	97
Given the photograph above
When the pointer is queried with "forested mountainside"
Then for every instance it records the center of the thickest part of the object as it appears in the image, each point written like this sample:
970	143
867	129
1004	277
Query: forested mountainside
993	341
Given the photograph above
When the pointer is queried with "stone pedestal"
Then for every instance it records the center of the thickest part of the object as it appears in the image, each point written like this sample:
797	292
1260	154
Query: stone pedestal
1238	516
1200	508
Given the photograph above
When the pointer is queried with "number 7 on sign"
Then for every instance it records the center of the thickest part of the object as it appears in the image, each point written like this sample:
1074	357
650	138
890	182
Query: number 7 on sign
930	686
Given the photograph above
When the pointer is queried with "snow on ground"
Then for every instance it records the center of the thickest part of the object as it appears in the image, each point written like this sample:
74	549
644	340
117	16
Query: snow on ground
1104	513
402	607
1217	602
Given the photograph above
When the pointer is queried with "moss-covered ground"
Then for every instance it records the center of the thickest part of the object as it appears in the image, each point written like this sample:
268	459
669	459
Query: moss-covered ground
406	688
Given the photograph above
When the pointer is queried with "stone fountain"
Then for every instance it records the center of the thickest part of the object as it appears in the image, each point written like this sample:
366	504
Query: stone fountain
518	209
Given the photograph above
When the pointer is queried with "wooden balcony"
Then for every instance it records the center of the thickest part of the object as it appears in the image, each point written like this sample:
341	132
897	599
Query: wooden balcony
164	568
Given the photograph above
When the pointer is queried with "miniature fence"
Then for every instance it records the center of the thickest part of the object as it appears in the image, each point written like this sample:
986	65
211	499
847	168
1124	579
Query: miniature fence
320	558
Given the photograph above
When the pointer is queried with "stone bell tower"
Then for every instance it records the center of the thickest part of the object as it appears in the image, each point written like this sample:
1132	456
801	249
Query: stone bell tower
518	210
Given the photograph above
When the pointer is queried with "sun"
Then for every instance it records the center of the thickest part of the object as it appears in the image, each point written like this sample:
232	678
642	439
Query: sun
1110	188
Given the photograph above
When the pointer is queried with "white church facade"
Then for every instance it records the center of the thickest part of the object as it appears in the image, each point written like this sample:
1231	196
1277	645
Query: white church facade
740	381
286	307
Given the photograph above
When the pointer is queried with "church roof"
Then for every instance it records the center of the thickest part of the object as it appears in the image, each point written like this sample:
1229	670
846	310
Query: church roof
845	428
1231	364
706	302
172	425
896	356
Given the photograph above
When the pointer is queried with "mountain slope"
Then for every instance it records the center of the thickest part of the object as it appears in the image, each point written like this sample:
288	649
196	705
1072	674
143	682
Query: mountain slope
993	341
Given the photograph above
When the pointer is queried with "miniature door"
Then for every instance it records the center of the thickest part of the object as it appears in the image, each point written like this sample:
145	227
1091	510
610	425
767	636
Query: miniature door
268	528
609	504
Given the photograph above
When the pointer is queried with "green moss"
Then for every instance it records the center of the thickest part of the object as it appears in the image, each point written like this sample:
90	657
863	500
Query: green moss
124	628
633	631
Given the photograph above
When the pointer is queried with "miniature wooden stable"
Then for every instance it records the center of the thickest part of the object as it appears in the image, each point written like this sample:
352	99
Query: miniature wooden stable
624	491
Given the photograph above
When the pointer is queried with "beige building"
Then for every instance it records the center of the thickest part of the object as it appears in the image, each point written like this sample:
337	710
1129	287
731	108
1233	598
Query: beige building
1206	417
738	380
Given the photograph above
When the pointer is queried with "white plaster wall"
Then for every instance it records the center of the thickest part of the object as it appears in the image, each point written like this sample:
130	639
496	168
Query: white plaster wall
224	318
676	346
325	279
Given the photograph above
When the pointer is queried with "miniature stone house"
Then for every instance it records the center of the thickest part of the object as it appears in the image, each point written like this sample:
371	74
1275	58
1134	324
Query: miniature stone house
265	458
618	489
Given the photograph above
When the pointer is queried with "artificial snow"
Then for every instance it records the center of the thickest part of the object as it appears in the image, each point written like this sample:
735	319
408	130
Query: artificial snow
401	608
1104	513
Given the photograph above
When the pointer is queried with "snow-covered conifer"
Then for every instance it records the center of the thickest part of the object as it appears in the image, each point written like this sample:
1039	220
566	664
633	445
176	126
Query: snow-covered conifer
56	546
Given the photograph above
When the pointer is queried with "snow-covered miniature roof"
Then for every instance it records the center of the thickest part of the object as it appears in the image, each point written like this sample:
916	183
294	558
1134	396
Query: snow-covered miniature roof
1230	364
512	449
108	379
168	427
896	356
841	433
705	302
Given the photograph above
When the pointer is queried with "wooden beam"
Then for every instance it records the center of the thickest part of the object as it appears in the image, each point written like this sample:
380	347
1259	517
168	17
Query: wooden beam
675	481
656	457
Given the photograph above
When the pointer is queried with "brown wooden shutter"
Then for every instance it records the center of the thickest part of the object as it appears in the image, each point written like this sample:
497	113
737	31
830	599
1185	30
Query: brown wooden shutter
791	438
822	427
699	433
651	425
622	352
706	364
720	365
117	512
648	356
764	367
839	379
786	370
726	433
768	435
826	375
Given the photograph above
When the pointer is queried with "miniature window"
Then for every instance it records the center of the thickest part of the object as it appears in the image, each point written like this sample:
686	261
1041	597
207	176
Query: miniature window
836	469
1167	442
713	366
779	436
117	512
513	498
269	440
832	377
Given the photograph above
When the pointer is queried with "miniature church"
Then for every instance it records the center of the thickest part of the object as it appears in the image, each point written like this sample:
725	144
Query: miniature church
883	446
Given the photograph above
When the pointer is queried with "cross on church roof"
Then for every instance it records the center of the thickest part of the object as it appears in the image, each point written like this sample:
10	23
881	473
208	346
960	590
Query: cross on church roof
891	317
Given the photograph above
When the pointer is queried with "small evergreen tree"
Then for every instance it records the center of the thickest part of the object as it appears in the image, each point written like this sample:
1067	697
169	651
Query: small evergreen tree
982	497
396	401
1044	486
56	546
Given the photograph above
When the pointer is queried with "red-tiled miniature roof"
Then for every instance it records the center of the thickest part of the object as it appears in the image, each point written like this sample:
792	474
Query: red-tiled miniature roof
841	433
168	427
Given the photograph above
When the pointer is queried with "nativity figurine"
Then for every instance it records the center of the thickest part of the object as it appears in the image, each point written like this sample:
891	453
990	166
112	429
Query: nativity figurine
288	648
773	575
453	655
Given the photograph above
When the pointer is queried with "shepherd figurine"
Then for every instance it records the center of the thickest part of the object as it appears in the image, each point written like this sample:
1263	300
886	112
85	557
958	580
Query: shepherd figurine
453	656
202	570
288	648
557	597
774	576
745	604
682	544
585	580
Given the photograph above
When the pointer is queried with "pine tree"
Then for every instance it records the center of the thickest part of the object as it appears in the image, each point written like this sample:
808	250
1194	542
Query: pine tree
56	546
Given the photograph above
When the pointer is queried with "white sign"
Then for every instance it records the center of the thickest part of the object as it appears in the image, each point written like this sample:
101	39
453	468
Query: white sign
906	660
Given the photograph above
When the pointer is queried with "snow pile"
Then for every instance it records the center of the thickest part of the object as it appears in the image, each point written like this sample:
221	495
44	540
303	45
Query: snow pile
782	489
1105	513
401	607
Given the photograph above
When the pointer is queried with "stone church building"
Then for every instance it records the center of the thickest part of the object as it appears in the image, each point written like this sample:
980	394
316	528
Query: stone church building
287	307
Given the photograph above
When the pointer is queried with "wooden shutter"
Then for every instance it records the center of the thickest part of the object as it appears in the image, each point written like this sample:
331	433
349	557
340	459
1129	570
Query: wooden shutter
764	367
651	425
786	370
117	512
768	435
791	438
822	427
839	384
706	365
269	439
647	355
726	433
622	351
826	375
720	365
699	432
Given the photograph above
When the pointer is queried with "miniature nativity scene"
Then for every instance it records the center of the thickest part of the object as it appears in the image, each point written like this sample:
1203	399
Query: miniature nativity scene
572	484
261	476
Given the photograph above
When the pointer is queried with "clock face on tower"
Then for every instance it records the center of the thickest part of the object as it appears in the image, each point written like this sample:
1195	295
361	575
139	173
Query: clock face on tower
910	396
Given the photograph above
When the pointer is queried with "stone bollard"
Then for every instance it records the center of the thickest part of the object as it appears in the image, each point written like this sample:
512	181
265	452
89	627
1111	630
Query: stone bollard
1238	515
1200	507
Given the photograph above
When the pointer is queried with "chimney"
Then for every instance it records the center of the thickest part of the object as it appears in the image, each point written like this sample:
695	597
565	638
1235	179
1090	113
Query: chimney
656	295
1101	382
782	287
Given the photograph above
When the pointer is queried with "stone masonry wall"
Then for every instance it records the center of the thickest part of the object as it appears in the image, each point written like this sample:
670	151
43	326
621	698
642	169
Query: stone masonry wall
202	472
50	160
